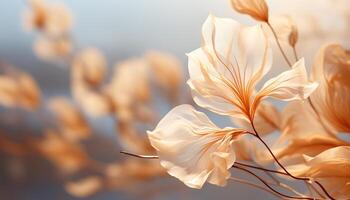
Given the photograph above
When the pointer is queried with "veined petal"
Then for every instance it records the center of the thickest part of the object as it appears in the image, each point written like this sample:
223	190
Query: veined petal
289	85
231	61
192	148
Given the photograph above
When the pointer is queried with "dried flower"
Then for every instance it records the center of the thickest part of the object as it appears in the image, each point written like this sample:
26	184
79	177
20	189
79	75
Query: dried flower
18	88
50	49
331	168
89	66
69	157
332	70
52	19
70	120
192	148
257	9
84	187
167	72
233	59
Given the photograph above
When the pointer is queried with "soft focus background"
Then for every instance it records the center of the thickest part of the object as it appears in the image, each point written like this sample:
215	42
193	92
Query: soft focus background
128	28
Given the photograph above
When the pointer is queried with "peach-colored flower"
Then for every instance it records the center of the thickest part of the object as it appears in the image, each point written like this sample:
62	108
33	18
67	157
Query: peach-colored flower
52	19
49	49
70	120
94	103
167	71
89	66
130	88
68	156
232	60
331	168
331	99
192	148
257	9
18	88
85	187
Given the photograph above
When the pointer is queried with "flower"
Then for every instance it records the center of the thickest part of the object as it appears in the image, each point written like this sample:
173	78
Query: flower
232	60
332	70
257	9
192	148
18	88
331	168
50	49
89	66
167	72
53	19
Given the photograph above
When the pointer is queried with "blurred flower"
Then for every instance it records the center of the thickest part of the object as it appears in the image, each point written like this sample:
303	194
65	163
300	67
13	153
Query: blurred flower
71	121
93	102
192	148
84	187
167	72
131	140
233	59
129	88
50	49
285	28
18	88
52	19
68	156
257	9
332	70
89	66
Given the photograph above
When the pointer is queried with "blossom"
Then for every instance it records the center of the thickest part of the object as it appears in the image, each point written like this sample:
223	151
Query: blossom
53	19
70	119
257	9
232	60
89	66
330	167
49	49
332	70
18	88
192	148
167	72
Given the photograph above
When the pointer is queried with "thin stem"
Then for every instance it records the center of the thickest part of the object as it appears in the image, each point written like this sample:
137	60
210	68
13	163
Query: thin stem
295	54
139	156
261	168
268	172
267	185
254	185
279	45
284	169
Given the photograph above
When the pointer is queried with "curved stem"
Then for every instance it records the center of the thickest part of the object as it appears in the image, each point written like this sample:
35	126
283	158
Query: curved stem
279	45
267	185
284	169
254	185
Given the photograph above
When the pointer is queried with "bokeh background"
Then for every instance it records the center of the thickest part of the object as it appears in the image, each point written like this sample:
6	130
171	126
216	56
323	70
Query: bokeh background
128	28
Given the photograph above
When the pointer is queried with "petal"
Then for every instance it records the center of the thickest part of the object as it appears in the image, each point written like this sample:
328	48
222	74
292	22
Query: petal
192	148
289	85
255	8
224	72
